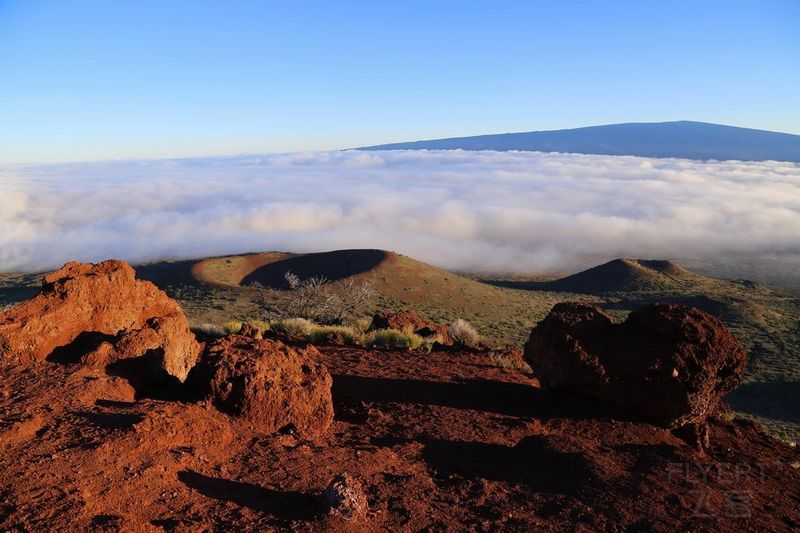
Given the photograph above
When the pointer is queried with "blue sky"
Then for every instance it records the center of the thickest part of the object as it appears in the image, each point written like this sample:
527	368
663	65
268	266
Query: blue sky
83	80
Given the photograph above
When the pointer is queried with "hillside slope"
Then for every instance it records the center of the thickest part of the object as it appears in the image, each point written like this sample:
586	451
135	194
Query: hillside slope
400	281
683	139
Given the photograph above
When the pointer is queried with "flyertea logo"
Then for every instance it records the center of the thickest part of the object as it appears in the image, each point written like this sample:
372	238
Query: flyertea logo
719	489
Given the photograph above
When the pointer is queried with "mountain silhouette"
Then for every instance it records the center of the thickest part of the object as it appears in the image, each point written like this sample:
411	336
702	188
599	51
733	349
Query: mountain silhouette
684	139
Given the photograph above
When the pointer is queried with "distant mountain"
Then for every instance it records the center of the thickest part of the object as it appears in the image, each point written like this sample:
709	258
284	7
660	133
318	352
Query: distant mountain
684	139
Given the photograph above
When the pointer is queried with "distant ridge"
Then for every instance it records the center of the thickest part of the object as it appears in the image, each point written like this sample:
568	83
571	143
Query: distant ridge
683	139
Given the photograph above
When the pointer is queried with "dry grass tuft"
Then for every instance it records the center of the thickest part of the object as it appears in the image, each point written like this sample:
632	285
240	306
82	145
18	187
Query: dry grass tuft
463	333
394	339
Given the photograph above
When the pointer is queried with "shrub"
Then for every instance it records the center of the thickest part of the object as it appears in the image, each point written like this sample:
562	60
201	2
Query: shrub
234	326
261	325
317	299
320	334
463	333
509	363
393	339
296	327
209	330
362	324
726	416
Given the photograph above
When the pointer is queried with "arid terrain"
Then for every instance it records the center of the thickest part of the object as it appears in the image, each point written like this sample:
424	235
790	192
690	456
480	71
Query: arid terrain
765	320
445	441
457	438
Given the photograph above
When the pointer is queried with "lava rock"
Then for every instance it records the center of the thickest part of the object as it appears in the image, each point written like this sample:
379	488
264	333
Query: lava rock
269	384
670	363
103	299
249	330
344	497
408	320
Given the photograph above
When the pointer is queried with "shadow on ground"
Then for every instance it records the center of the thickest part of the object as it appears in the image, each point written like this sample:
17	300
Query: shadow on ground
499	397
533	461
283	505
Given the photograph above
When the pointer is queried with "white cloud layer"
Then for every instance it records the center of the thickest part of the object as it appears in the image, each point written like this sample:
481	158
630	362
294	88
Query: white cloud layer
489	211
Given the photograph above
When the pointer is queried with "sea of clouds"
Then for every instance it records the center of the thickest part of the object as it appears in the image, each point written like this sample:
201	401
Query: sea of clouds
511	212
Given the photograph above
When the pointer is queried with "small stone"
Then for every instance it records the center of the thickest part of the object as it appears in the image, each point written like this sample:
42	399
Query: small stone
344	497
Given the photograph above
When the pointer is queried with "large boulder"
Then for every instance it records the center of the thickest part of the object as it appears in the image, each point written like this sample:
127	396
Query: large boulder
409	321
670	363
270	385
102	299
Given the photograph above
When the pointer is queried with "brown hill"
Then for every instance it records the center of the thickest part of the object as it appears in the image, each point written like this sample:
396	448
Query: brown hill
618	276
399	280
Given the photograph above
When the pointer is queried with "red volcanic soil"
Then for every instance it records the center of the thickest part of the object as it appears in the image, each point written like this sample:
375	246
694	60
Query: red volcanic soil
445	441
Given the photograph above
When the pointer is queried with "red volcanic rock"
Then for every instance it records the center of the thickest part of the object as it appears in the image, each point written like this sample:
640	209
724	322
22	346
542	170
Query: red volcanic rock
106	299
270	384
409	321
170	336
344	497
670	363
249	330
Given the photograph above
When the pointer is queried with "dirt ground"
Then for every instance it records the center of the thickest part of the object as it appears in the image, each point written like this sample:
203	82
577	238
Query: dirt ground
441	442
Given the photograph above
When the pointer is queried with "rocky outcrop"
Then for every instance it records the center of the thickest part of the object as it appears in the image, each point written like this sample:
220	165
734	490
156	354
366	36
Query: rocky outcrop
103	299
409	321
670	363
270	385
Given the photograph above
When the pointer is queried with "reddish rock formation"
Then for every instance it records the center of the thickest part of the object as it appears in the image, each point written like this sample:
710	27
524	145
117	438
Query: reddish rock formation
408	320
270	384
102	299
670	363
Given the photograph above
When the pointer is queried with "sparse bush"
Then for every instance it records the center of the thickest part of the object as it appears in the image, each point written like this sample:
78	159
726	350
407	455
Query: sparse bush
320	334
463	333
362	324
296	327
726	416
509	363
316	298
234	326
209	330
394	339
260	325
